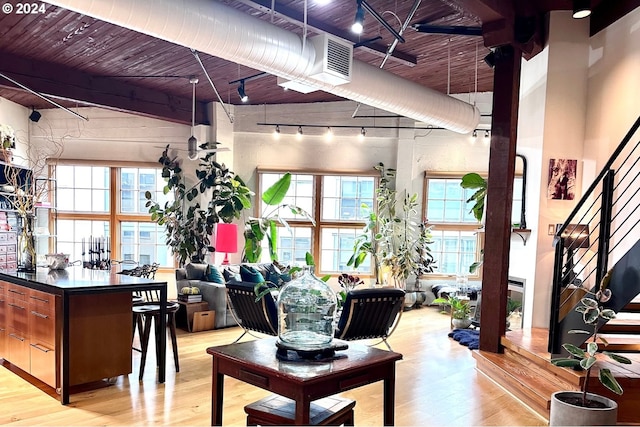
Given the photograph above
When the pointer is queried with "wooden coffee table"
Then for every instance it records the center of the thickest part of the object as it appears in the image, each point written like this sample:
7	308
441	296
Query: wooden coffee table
255	363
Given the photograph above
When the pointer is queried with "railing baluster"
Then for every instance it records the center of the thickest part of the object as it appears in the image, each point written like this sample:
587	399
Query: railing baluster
605	225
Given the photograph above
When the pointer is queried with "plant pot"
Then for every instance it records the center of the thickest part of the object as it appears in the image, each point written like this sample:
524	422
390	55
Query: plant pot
409	300
461	323
567	414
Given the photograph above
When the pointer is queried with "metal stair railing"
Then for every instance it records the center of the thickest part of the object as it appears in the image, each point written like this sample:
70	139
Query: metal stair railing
610	208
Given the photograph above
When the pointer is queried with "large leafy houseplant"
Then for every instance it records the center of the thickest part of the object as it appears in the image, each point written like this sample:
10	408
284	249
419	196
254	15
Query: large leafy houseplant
189	224
257	228
594	314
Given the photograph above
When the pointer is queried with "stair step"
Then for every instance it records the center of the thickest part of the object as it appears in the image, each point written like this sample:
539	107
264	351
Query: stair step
622	342
632	307
526	384
541	362
625	322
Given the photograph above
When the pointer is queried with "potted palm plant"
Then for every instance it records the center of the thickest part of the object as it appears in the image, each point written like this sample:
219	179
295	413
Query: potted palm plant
584	408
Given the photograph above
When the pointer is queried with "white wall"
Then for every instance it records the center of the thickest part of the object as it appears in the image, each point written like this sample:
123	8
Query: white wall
17	117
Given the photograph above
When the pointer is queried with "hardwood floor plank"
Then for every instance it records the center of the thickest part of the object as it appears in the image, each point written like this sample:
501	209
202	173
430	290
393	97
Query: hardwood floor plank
436	384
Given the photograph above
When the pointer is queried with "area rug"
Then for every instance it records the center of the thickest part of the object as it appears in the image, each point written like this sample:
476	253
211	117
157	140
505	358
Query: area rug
468	337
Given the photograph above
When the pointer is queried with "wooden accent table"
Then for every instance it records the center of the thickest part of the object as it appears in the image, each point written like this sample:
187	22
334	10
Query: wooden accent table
184	316
255	363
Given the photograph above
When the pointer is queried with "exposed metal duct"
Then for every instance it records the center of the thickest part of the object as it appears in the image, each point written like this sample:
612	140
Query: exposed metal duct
211	27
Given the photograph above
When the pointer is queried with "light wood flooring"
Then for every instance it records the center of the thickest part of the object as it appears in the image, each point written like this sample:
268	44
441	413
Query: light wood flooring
436	385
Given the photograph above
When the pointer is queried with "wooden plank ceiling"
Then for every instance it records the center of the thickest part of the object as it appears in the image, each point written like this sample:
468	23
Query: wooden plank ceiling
79	60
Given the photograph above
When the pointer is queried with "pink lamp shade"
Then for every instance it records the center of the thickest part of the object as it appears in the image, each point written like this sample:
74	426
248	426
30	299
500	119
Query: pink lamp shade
226	240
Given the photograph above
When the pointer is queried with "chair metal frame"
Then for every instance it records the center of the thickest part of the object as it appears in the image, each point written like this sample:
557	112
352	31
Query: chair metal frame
257	313
385	303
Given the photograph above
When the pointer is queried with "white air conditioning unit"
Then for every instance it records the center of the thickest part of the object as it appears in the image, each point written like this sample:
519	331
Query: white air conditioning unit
334	60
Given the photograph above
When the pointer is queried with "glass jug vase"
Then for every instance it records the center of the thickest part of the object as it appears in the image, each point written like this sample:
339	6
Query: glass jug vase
306	310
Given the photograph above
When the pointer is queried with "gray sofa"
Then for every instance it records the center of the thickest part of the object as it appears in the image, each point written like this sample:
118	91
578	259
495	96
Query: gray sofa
215	294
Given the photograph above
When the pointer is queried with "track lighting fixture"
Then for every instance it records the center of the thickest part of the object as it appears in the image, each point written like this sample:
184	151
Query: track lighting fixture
276	132
192	148
358	23
329	135
241	92
299	133
475	133
35	115
486	134
581	9
363	133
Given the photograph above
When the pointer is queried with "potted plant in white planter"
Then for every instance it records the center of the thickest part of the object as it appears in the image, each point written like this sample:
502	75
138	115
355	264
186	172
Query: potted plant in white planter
460	311
581	407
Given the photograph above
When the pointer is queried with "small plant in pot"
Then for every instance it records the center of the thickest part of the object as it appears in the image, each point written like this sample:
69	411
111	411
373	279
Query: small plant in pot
584	408
460	310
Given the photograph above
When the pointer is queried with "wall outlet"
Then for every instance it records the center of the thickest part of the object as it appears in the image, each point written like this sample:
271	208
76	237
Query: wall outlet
552	229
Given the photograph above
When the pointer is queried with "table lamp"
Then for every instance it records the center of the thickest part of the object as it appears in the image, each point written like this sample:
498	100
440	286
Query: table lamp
226	240
576	236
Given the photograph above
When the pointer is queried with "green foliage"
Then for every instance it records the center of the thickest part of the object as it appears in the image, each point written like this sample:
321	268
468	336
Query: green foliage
593	313
459	309
188	224
474	181
256	229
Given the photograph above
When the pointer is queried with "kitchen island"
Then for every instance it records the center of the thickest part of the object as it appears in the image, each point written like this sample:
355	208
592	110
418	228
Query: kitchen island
74	326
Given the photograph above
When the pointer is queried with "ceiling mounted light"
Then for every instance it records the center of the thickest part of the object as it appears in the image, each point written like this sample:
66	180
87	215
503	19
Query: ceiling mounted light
241	92
299	133
581	9
363	133
358	23
192	142
329	135
487	134
475	133
35	115
276	132
192	148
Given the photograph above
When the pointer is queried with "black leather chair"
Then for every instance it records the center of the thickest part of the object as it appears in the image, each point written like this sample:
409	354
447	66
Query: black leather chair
369	314
253	316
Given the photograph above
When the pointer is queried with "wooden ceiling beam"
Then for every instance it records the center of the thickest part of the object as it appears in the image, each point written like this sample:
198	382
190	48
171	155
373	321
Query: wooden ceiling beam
69	84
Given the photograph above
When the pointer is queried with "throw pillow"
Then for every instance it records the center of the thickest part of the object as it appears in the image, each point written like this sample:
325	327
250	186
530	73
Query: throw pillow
213	275
195	271
231	273
276	276
250	274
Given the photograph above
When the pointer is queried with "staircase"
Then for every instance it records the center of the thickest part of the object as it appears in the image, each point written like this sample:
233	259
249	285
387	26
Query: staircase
602	233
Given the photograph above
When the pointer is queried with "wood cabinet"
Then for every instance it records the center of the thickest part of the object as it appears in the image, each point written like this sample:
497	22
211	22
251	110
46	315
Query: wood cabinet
30	336
3	322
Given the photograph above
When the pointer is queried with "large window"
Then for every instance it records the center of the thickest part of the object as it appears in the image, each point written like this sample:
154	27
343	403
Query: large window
456	233
90	206
335	202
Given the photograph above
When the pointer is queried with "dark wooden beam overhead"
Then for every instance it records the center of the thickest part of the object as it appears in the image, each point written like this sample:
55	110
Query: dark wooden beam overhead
68	84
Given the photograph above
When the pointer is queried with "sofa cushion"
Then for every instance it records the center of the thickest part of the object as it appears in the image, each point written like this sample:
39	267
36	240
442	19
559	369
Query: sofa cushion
275	276
231	272
196	271
250	274
213	275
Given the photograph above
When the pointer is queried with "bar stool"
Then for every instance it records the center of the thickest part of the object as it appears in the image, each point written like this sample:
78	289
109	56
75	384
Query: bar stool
276	410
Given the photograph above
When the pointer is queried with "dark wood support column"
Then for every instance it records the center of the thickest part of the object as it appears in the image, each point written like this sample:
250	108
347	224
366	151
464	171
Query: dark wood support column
502	155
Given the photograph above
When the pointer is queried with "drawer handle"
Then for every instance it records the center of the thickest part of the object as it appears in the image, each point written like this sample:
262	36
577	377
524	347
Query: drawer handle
40	299
16	306
43	316
42	349
16	337
17	292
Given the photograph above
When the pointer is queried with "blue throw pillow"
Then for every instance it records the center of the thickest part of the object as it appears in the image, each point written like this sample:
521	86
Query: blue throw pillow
276	276
213	275
250	274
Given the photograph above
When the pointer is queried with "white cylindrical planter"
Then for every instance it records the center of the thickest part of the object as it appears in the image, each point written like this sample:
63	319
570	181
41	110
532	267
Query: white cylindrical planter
566	414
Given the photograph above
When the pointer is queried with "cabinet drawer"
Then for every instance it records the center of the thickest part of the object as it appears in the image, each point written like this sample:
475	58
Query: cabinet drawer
3	248
42	327
3	311
3	257
12	237
17	315
4	237
11	257
18	349
3	343
42	302
43	362
11	265
18	292
11	249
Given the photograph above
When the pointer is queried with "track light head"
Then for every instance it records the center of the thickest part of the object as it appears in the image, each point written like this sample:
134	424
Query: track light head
475	133
241	92
487	134
35	115
192	148
358	23
581	9
276	132
299	133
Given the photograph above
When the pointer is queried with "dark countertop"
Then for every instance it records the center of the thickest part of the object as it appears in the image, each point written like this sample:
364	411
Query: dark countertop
76	279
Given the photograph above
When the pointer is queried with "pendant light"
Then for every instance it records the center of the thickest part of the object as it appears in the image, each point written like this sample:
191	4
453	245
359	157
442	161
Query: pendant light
192	143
